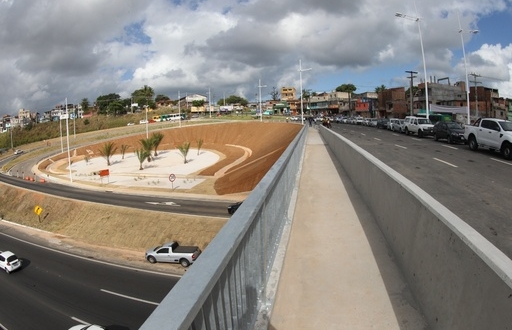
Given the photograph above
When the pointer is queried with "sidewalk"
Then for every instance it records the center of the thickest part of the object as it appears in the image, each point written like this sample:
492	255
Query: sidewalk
338	272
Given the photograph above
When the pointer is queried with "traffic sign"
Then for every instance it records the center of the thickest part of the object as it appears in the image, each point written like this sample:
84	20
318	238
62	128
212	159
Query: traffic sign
172	177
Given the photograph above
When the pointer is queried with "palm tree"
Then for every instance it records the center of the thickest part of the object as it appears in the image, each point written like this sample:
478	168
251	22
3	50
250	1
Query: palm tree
184	148
147	145
141	156
199	144
107	151
124	147
156	139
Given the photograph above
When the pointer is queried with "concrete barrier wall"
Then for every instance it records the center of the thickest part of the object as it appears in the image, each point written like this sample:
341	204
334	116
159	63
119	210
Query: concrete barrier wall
459	279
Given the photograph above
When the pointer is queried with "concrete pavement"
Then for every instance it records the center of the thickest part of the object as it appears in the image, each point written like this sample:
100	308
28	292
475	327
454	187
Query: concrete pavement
338	272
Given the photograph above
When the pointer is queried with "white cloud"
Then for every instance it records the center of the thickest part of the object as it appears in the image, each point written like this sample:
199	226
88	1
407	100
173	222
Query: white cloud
52	50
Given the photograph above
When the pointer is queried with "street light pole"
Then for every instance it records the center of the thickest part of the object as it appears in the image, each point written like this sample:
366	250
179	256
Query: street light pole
261	110
417	20
465	66
300	82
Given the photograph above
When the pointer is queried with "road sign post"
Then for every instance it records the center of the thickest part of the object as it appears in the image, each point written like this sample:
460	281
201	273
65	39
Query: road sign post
172	177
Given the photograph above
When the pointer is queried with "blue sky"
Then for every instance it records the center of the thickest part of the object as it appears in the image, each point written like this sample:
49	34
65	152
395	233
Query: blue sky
84	49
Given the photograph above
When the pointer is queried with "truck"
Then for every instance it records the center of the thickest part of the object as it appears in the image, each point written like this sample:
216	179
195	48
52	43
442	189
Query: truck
418	125
490	133
174	253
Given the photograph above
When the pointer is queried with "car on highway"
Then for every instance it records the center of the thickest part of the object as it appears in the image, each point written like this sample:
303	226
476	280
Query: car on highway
87	327
18	152
233	207
9	262
451	131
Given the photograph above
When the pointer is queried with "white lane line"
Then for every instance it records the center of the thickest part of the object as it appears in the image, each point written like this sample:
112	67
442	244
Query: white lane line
399	146
442	161
79	321
451	147
501	161
377	139
129	297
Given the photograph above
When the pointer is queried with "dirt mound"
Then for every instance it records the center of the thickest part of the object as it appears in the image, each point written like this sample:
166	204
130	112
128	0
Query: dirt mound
266	141
126	233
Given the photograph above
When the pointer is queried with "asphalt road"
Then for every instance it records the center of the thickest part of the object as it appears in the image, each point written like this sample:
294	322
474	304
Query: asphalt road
476	186
56	290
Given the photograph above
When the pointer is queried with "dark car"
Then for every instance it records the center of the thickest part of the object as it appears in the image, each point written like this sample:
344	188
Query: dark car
451	131
382	123
233	207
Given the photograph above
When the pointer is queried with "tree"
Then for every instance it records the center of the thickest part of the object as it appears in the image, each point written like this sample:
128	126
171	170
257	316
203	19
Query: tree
348	88
274	94
124	147
197	103
147	145
144	96
233	99
107	151
156	139
141	156
184	148
380	89
103	101
160	98
85	105
115	107
199	145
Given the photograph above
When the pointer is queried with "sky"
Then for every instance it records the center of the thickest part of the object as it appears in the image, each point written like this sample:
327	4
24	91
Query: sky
52	51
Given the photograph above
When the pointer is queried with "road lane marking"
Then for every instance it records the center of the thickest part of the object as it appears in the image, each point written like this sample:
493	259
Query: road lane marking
377	139
501	161
163	203
451	147
79	321
129	297
442	161
399	146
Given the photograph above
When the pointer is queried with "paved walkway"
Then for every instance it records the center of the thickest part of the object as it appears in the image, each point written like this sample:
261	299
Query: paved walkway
338	272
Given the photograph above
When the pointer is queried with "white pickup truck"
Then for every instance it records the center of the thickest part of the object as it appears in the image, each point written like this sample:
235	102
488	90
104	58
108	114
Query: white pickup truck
492	134
173	252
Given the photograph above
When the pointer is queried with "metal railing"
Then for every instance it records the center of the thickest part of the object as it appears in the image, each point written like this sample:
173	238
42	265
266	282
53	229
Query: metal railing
225	287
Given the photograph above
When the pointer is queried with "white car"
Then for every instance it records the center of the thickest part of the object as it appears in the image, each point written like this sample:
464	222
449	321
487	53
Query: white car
18	151
9	262
143	121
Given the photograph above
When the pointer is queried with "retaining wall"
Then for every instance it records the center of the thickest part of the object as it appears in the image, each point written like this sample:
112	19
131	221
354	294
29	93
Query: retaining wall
460	280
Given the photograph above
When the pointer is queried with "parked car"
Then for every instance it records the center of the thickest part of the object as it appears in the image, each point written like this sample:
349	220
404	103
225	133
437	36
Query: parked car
382	123
233	207
452	131
143	121
9	262
418	125
399	127
393	123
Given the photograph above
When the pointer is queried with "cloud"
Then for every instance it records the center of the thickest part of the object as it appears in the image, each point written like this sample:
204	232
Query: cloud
52	50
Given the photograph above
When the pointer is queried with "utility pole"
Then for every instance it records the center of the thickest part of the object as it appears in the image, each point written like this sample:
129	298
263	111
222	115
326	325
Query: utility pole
412	76
474	75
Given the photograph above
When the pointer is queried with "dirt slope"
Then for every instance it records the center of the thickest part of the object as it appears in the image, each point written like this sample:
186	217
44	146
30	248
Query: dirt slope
129	232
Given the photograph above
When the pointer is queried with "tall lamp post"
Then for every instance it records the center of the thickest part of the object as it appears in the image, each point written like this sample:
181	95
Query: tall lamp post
417	20
301	100
261	110
461	31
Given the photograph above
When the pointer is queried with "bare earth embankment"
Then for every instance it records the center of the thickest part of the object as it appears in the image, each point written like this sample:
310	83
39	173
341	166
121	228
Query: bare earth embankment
101	231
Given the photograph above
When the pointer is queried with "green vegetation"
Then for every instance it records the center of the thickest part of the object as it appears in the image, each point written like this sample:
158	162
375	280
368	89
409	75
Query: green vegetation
107	151
184	148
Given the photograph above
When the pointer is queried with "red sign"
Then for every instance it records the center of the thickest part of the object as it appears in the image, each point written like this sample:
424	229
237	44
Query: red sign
104	172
